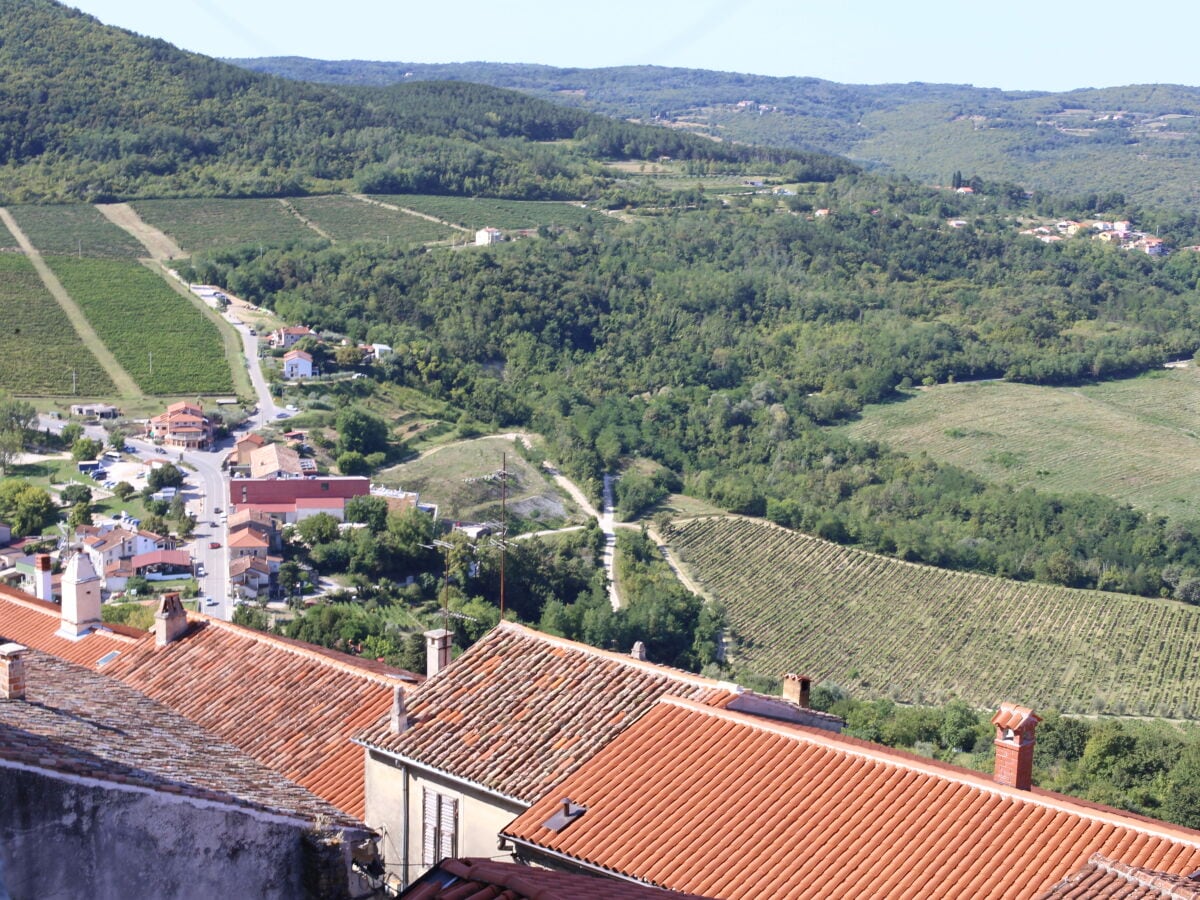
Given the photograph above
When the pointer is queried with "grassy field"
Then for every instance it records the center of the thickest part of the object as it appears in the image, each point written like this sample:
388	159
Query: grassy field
7	241
884	628
452	476
346	219
162	340
478	212
76	229
208	224
39	348
1136	440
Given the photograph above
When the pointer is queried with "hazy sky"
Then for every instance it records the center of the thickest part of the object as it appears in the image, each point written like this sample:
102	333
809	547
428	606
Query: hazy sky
1018	45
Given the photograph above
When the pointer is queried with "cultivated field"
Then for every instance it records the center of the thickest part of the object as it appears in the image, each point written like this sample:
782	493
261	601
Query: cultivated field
39	348
344	218
7	241
77	229
1136	440
197	225
478	212
884	628
454	476
158	336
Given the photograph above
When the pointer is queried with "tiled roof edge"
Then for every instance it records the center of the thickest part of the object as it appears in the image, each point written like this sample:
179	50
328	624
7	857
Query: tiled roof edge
442	773
1163	882
54	611
967	777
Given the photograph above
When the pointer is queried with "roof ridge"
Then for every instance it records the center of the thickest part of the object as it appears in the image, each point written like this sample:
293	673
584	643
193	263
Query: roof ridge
1153	879
623	658
53	610
947	771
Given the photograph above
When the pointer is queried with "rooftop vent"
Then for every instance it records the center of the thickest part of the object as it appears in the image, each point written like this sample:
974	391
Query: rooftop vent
566	813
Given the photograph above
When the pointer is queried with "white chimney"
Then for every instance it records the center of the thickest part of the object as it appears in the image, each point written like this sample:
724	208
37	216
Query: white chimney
399	720
43	578
80	598
437	650
170	621
638	651
12	671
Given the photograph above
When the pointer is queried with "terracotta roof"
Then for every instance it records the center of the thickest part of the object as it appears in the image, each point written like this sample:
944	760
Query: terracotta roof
247	537
266	461
240	566
291	706
521	710
34	623
1104	878
75	721
703	799
162	557
483	879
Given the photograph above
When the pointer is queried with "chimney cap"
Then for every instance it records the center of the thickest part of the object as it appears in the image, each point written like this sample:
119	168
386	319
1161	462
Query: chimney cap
13	650
1017	719
638	651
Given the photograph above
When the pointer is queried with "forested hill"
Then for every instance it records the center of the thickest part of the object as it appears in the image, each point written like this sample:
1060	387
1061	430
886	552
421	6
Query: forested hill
1141	141
90	112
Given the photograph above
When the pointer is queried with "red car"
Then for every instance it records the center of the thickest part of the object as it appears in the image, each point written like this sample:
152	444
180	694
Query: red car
214	545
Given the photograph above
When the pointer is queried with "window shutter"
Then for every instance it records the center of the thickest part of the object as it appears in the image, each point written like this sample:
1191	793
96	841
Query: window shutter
447	827
429	823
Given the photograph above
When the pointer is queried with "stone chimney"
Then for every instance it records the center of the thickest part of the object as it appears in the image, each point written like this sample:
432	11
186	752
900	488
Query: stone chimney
43	587
437	650
399	719
1014	745
80	598
170	621
638	651
12	671
797	688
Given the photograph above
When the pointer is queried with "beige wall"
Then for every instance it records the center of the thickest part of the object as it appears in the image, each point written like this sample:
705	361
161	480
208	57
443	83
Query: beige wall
481	816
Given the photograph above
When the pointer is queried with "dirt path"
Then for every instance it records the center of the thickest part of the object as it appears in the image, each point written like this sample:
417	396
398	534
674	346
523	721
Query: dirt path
306	222
121	379
157	244
412	212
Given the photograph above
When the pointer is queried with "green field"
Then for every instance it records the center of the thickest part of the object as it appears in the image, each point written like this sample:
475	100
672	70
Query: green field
344	218
76	229
197	225
884	628
39	348
1136	440
452	476
479	212
162	340
7	241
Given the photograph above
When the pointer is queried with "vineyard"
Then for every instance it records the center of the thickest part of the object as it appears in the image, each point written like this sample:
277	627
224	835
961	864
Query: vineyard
883	628
1133	440
39	348
344	218
76	229
197	225
7	241
159	337
480	212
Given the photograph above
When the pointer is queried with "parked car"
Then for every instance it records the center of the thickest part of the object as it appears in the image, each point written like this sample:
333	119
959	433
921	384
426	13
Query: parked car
214	545
209	601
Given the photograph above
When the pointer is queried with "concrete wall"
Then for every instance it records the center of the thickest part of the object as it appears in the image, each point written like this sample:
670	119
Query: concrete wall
63	837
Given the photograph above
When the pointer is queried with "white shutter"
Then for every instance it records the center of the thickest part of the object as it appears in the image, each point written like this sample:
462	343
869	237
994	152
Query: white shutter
447	827
429	823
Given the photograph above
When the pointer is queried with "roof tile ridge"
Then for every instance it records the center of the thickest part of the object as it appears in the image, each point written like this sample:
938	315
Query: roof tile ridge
1147	878
622	658
53	611
966	777
265	638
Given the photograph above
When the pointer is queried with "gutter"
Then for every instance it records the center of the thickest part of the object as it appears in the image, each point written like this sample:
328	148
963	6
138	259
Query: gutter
575	862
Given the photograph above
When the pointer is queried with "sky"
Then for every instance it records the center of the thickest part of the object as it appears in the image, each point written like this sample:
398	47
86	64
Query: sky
1019	45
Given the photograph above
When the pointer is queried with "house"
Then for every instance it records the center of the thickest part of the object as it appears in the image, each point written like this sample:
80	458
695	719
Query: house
297	364
487	236
247	542
95	411
379	351
251	575
238	459
275	461
163	565
183	425
259	522
103	788
291	499
283	338
488	735
668	797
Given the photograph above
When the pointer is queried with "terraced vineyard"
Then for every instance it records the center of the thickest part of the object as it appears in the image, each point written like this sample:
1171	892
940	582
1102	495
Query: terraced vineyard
1136	440
158	336
480	212
209	224
884	628
347	219
76	229
39	349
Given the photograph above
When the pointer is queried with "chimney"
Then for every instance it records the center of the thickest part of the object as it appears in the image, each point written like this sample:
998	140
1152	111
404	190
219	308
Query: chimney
1014	745
399	721
12	671
797	688
437	650
638	651
170	621
80	598
42	588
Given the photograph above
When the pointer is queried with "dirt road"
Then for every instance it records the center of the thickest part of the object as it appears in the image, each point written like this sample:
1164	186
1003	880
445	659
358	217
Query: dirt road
157	244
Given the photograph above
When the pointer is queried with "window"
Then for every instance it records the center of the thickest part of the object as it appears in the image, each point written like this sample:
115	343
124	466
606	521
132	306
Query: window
439	827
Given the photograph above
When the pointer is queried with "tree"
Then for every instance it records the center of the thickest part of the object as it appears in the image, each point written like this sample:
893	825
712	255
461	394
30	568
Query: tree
319	529
167	475
361	431
352	463
16	419
116	439
86	448
26	508
185	527
123	490
75	493
290	576
81	514
71	432
370	510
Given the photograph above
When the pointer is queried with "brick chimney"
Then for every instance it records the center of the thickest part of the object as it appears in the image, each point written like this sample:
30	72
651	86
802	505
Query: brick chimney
399	718
437	650
12	671
638	651
1014	745
80	598
43	579
170	621
797	689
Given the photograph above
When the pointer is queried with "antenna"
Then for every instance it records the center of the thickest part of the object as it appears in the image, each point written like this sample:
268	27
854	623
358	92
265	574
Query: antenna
445	546
503	524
